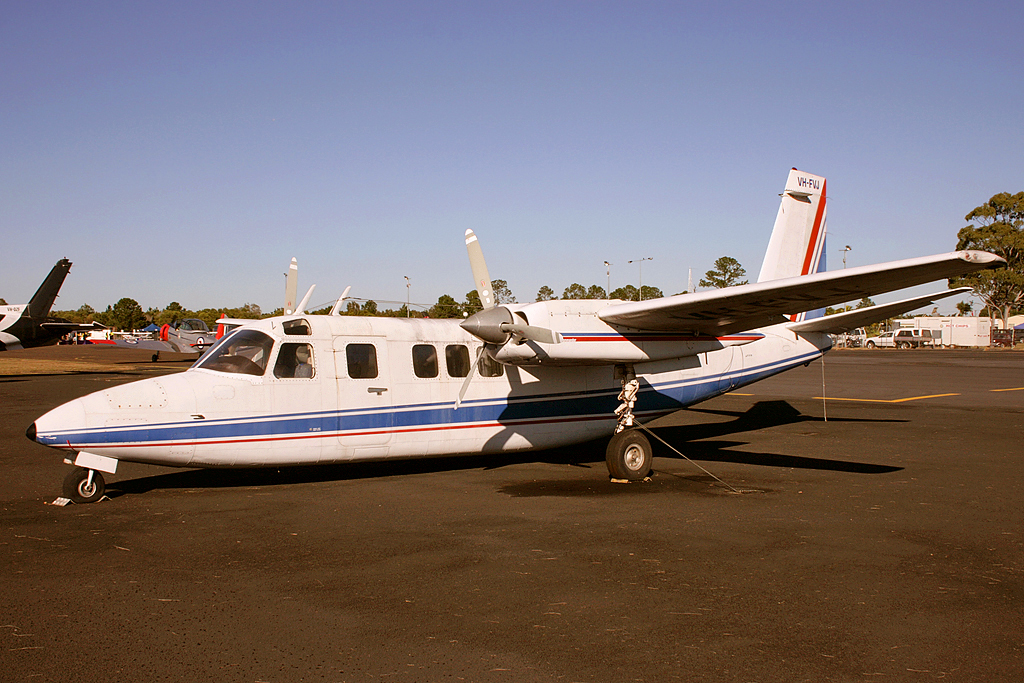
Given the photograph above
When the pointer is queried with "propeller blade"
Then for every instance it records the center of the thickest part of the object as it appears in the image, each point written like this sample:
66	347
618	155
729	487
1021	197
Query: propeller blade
480	274
538	334
469	377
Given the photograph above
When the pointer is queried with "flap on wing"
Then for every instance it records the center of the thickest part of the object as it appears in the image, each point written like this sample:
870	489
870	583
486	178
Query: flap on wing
838	323
747	307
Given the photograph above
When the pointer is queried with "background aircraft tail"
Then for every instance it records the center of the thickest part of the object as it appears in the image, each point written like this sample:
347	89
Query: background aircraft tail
797	245
42	300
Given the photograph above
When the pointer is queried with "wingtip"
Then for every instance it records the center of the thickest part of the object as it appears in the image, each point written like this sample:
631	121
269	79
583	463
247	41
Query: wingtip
975	256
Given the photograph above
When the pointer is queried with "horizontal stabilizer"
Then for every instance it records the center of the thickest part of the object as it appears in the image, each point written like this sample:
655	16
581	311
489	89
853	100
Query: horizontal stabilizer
837	323
748	307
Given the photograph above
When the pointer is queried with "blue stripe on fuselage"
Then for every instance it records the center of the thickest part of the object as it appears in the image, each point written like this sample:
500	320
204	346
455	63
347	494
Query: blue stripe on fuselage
566	407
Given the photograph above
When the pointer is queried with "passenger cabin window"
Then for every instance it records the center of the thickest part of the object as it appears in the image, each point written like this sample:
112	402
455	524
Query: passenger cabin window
489	367
293	327
424	360
362	361
294	361
245	352
456	357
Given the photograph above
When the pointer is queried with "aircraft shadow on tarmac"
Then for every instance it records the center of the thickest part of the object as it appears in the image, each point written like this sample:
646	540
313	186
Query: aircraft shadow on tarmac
692	440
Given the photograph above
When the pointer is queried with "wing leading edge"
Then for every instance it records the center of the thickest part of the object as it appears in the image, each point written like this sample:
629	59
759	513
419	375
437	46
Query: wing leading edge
747	307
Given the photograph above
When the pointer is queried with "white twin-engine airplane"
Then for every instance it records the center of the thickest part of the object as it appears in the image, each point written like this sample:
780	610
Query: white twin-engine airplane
305	389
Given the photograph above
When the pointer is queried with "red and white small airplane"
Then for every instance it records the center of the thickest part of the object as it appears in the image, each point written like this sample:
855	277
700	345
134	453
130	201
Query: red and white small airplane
304	389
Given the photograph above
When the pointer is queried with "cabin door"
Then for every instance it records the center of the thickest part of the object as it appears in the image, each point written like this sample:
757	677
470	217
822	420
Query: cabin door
365	394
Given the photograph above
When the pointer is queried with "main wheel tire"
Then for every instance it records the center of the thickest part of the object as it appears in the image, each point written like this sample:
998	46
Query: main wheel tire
79	490
629	455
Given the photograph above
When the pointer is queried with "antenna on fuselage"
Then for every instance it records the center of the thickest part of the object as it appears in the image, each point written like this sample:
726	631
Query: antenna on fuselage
301	308
341	299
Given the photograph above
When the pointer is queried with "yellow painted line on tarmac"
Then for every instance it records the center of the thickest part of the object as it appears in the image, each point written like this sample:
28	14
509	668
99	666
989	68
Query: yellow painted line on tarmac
882	400
733	393
1013	389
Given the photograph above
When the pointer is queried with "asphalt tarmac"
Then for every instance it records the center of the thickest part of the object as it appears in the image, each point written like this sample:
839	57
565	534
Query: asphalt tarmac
881	544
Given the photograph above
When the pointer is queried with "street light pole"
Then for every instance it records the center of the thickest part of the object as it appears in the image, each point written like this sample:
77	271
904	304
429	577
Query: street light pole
844	250
641	262
608	292
407	284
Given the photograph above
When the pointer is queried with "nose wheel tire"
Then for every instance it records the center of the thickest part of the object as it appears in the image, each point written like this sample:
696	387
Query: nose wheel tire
79	488
629	455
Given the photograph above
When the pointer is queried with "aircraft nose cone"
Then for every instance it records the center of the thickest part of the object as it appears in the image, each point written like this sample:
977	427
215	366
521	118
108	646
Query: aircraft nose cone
30	433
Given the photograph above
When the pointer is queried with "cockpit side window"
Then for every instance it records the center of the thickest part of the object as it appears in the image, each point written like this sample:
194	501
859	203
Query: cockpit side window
296	327
243	353
294	360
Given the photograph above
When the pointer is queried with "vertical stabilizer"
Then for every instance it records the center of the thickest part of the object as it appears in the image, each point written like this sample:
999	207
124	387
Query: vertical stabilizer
291	287
797	246
42	301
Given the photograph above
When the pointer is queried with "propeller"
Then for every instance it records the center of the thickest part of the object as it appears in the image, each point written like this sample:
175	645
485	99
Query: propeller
495	325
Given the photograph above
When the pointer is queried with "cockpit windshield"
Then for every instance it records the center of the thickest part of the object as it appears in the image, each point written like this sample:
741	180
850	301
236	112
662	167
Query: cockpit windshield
193	325
244	352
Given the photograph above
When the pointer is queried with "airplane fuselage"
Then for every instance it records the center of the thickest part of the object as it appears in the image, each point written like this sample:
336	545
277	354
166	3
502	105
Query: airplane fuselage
386	388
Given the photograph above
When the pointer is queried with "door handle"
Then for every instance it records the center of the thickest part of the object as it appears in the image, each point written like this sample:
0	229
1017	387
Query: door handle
376	390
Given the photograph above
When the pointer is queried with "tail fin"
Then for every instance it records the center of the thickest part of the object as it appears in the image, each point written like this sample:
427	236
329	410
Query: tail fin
42	301
797	246
291	287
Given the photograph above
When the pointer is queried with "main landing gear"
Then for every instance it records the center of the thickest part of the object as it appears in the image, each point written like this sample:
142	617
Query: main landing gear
629	454
83	486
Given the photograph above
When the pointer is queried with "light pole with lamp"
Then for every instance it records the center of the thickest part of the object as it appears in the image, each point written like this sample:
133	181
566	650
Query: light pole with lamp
641	262
608	268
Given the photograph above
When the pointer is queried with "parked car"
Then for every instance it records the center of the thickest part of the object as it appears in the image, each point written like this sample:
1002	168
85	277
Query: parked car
1007	337
902	339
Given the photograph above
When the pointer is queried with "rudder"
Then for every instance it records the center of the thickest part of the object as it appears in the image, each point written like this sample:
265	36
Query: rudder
797	245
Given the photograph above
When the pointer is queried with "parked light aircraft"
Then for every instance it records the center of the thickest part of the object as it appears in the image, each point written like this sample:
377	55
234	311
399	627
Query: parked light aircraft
192	335
305	389
29	325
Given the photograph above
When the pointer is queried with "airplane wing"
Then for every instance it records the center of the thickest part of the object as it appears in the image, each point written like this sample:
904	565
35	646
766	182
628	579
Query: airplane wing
746	307
838	323
64	326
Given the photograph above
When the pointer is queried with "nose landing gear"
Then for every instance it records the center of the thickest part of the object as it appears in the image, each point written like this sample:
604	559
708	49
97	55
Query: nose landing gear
83	485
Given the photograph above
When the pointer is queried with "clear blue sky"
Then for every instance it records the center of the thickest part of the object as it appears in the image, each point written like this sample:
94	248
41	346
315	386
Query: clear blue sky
187	151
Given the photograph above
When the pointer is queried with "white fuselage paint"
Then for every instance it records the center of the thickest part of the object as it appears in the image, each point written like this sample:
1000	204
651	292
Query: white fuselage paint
207	418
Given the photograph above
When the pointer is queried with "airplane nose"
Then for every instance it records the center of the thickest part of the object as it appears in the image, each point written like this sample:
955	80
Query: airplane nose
30	433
